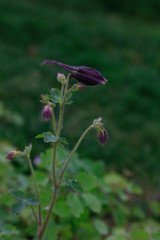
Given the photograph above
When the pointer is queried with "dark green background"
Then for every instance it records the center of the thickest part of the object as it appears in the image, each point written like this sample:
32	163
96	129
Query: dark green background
121	39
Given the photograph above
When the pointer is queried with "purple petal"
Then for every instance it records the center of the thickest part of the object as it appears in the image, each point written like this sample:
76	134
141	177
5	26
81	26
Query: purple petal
46	61
102	137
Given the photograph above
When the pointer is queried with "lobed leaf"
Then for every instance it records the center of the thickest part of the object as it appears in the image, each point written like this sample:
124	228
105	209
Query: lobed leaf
75	205
87	181
18	207
61	209
47	137
31	200
92	202
101	226
19	195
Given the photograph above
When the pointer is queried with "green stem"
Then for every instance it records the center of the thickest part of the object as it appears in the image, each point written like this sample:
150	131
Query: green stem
36	188
73	151
54	152
62	104
49	213
62	89
59	183
54	123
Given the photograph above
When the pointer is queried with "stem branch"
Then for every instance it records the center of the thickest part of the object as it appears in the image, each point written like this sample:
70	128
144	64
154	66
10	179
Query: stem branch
73	151
35	216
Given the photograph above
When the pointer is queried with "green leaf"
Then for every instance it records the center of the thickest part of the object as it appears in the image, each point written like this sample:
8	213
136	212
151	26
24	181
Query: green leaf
92	201
74	184
45	195
100	226
75	205
4	198
28	198
69	102
115	181
39	135
63	140
56	93
139	234
19	195
87	181
69	96
48	137
61	209
18	207
46	158
119	217
41	178
53	98
51	231
31	200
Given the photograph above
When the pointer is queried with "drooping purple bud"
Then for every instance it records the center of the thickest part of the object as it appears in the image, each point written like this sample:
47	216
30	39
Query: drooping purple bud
86	75
102	136
47	112
12	154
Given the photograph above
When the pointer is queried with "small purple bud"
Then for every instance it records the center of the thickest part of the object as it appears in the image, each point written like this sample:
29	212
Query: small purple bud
86	75
102	136
61	78
47	112
11	155
79	86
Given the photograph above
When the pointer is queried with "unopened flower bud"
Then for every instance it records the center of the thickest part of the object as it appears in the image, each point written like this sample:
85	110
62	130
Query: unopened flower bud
102	136
47	112
78	86
11	155
61	78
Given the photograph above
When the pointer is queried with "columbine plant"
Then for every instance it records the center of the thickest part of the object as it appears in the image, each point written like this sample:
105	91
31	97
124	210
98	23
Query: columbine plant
87	76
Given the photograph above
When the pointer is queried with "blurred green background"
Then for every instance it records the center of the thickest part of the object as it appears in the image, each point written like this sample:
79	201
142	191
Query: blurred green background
121	39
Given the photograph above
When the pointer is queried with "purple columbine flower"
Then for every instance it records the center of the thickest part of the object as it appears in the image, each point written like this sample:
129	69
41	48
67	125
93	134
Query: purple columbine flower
47	112
86	75
102	136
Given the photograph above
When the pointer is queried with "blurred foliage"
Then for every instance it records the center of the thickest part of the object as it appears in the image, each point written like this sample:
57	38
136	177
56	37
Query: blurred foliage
91	204
121	40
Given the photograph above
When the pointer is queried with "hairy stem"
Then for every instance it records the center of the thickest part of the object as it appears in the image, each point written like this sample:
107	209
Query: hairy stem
58	132
59	183
54	123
